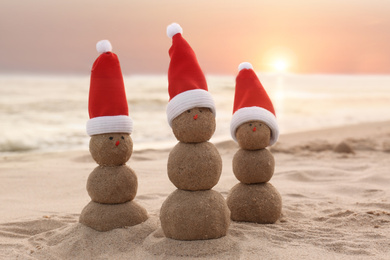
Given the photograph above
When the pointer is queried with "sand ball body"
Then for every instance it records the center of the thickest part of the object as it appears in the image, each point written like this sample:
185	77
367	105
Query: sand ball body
115	184
256	166
259	203
112	149
253	135
194	125
194	215
105	217
194	166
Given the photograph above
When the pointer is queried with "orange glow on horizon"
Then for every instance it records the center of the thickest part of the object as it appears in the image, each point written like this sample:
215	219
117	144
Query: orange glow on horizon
290	36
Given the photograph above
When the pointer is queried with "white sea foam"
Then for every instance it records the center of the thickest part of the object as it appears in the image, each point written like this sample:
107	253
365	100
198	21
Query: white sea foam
48	113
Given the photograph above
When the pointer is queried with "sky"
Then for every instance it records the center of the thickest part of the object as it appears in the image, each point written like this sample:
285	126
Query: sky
308	37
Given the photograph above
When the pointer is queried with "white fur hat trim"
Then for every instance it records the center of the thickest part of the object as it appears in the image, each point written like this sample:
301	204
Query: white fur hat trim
187	100
109	124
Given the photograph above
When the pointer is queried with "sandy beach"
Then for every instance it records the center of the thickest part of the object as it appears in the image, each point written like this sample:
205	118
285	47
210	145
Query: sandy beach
303	87
336	203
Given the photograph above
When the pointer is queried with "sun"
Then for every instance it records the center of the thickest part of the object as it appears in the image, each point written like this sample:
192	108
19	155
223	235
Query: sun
277	59
280	65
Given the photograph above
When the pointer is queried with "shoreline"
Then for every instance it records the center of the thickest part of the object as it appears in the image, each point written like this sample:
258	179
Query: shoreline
344	131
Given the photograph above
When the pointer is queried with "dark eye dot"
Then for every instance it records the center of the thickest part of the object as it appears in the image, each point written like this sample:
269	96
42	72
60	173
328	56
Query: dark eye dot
123	138
111	138
200	110
259	124
250	124
189	110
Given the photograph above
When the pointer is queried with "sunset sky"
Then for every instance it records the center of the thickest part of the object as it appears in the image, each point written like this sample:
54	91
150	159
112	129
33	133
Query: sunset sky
320	36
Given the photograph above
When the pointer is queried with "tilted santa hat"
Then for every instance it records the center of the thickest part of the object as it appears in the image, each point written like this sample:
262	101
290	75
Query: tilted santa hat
187	85
107	105
251	103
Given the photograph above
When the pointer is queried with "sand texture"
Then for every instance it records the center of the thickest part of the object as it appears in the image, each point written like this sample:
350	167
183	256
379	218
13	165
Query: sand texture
195	215
336	203
259	203
253	135
194	166
111	185
253	166
105	152
195	125
105	217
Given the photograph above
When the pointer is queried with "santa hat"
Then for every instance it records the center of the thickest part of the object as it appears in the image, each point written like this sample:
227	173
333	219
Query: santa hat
107	106
251	103
187	84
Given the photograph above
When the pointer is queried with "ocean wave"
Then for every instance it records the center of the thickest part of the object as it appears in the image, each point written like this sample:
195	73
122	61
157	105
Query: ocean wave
50	113
7	146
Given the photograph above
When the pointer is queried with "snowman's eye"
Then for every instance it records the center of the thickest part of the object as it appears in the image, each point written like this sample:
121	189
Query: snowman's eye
111	138
189	111
123	138
200	110
259	124
250	124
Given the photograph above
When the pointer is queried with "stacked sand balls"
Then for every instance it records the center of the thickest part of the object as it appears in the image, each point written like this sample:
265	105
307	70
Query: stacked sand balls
254	127
112	185
194	211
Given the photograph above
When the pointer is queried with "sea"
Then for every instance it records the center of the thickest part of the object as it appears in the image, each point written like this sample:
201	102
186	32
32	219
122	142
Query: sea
48	113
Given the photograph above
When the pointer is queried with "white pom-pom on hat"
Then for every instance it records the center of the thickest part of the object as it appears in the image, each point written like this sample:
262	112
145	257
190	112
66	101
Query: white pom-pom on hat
245	65
173	29
103	46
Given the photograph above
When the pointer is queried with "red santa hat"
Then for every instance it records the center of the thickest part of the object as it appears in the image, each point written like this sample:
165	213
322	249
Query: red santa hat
107	105
187	85
251	103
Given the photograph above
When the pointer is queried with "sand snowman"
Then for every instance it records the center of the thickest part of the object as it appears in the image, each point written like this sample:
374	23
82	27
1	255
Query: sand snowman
254	127
112	185
194	211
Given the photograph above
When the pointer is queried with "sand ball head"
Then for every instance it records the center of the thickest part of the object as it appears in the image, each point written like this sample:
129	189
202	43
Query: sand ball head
111	149
194	125
253	135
